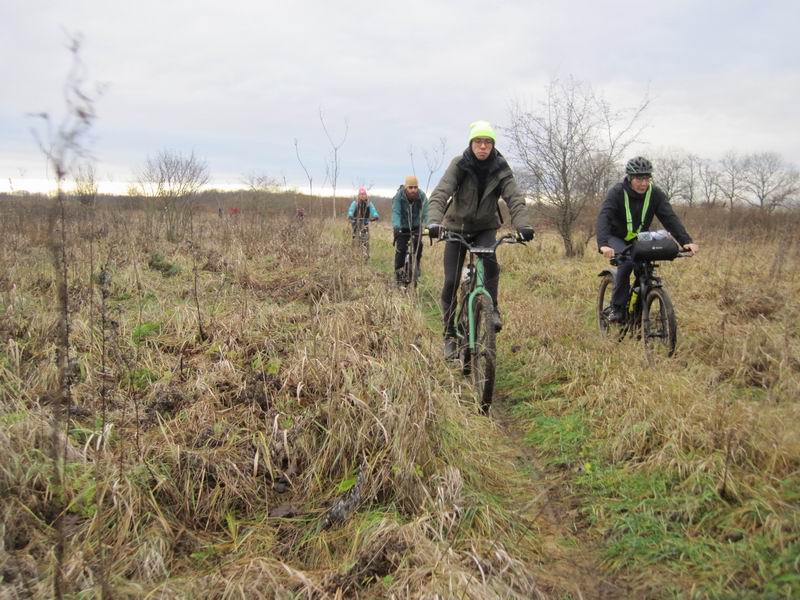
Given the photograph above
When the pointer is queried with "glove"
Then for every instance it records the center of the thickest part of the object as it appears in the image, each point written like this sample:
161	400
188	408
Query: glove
435	231
525	233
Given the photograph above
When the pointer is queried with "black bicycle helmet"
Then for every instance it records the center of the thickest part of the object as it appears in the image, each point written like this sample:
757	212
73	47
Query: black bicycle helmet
639	165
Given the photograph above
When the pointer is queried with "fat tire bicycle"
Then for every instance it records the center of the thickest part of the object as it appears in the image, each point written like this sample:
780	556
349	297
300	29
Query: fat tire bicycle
475	331
649	313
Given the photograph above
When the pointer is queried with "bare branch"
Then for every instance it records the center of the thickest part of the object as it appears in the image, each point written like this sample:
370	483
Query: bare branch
308	175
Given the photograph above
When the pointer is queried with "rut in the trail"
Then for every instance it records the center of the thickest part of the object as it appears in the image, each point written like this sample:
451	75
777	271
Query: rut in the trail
571	557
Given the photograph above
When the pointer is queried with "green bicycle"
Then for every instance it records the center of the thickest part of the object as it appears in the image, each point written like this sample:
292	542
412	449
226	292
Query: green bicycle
474	325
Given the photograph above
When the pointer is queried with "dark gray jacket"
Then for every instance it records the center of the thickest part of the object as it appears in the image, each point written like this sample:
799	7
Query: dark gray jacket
468	212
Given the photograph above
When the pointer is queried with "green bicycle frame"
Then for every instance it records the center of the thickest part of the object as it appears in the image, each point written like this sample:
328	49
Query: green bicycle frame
472	298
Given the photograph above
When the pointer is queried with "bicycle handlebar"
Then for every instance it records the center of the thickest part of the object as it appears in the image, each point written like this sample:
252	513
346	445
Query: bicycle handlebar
451	236
614	260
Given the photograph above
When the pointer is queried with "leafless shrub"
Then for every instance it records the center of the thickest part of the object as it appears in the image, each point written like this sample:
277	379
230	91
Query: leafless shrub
172	180
261	182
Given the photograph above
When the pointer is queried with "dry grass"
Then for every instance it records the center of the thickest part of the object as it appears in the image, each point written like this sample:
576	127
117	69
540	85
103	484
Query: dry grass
313	445
718	422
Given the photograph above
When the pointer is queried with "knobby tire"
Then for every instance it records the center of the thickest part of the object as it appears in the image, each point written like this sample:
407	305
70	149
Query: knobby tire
659	326
484	359
604	302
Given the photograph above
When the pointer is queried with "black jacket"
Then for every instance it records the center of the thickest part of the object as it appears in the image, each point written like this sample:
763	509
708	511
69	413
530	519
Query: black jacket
611	220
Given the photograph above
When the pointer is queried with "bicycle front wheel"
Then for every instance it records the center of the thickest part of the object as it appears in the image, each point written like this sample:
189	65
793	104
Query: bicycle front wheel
604	302
659	327
483	358
365	244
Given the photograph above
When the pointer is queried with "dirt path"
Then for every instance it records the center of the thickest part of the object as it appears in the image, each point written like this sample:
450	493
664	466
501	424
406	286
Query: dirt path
571	567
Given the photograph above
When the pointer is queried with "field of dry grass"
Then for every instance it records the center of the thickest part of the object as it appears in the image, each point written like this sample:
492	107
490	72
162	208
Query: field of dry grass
309	441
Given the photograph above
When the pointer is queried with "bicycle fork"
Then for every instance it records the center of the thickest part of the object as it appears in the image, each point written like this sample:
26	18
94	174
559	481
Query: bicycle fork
472	300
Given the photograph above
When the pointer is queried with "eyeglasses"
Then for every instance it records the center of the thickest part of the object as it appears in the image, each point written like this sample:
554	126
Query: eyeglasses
483	141
412	187
644	177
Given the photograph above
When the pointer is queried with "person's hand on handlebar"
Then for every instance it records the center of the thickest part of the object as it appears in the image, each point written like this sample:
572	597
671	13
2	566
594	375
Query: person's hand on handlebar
607	252
691	248
524	233
435	231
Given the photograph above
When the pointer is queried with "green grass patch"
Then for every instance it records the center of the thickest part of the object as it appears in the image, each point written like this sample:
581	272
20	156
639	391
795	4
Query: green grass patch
145	330
561	437
675	527
653	520
141	378
158	263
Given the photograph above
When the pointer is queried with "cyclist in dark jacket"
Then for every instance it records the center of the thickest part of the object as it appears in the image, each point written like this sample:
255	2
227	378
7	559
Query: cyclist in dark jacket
465	201
634	202
409	214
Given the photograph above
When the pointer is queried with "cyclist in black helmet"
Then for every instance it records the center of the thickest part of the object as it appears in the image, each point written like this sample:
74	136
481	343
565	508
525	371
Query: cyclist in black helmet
629	208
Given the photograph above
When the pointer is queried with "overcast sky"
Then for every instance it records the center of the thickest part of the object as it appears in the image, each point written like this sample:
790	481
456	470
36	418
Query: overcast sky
237	81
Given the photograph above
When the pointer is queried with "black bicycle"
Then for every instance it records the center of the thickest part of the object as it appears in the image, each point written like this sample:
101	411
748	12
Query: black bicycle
475	330
649	313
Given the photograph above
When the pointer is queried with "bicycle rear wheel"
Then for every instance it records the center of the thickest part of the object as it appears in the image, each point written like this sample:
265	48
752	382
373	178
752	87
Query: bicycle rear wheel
483	358
659	327
604	302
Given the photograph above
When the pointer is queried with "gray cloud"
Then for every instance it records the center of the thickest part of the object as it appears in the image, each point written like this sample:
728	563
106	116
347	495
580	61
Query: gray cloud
238	81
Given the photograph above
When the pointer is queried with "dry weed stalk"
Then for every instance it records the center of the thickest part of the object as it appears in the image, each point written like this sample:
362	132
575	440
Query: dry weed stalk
61	148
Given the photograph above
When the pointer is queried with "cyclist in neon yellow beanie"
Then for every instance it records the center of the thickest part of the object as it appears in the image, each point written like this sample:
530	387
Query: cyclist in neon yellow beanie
482	129
475	181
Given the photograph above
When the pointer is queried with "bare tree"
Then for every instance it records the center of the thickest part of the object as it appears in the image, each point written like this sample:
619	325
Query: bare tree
333	164
668	169
731	179
434	160
690	178
708	177
172	180
567	146
86	184
308	175
770	180
261	182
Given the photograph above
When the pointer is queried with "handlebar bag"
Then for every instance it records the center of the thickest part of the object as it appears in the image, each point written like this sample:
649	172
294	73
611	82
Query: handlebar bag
654	247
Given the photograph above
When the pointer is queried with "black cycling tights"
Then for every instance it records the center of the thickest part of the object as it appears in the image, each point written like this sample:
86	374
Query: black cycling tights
454	254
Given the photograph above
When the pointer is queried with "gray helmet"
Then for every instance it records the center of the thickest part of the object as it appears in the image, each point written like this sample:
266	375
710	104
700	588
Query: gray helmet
639	165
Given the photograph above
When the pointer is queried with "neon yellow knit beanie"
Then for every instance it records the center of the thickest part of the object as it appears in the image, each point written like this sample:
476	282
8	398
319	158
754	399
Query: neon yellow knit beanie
482	129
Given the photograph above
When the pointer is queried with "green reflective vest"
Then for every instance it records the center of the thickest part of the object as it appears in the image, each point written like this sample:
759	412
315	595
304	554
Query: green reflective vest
631	233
